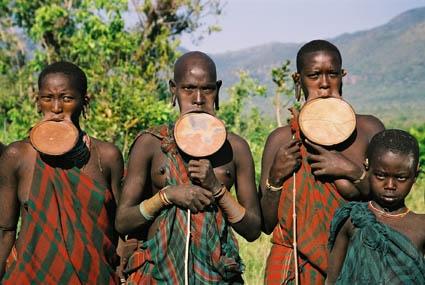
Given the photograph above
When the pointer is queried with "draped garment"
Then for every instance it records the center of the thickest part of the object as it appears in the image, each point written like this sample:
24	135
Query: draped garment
316	202
213	250
377	254
67	236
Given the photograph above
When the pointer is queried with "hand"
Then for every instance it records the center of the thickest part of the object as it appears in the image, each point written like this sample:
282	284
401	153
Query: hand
190	197
202	173
286	161
333	163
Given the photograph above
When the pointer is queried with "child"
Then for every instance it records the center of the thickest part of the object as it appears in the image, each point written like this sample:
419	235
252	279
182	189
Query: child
382	241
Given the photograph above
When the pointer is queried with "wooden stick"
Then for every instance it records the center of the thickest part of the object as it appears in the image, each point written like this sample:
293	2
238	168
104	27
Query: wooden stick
186	253
294	228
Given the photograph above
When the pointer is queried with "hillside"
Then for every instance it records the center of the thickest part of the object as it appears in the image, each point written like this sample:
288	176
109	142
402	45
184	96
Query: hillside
386	68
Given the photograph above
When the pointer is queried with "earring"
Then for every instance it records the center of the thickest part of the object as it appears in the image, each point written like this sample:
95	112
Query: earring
86	108
173	100
297	85
366	163
216	103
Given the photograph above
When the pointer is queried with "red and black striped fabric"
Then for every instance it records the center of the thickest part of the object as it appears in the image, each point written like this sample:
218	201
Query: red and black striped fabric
213	252
67	236
316	203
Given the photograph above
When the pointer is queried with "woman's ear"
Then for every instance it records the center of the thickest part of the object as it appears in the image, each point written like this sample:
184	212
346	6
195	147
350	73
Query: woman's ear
297	85
172	86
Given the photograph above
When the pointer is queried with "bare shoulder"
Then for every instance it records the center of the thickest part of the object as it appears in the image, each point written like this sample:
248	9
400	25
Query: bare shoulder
237	142
278	137
145	144
108	151
419	221
18	151
369	125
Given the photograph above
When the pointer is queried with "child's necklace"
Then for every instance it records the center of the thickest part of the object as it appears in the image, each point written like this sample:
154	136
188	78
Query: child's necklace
387	214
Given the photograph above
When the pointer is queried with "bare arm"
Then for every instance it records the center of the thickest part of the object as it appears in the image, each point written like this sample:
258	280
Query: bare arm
281	156
113	158
9	205
250	226
247	219
338	252
137	188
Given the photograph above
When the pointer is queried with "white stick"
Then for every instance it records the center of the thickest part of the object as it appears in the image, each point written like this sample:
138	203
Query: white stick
186	252
294	228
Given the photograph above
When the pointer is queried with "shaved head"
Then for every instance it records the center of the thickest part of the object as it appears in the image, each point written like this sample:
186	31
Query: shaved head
191	59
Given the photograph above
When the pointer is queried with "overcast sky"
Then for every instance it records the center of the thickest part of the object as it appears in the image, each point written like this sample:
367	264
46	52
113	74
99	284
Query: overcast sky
247	23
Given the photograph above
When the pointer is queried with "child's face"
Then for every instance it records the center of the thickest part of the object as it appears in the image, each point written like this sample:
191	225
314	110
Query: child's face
391	176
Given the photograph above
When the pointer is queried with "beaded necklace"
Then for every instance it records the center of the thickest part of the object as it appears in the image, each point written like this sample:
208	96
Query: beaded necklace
388	214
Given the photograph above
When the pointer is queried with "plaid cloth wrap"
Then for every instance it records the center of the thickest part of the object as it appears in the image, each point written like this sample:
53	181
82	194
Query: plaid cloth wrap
316	203
68	236
377	254
213	253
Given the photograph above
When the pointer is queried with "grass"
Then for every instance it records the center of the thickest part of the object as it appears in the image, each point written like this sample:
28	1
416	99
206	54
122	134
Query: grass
254	254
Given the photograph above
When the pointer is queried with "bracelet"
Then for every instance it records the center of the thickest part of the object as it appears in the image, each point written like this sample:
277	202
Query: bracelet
163	197
269	187
145	214
361	177
220	192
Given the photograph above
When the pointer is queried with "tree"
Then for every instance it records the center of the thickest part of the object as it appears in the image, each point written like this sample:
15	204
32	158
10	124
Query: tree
127	67
247	122
280	76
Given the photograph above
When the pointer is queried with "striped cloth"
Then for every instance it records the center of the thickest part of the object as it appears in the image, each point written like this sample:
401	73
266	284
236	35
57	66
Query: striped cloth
377	254
316	202
213	253
67	236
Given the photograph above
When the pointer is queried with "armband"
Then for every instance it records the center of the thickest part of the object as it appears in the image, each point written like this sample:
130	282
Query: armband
150	207
269	187
233	210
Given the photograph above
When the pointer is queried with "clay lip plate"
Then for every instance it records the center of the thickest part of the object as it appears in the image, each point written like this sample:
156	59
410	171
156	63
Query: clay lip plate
327	121
199	134
54	137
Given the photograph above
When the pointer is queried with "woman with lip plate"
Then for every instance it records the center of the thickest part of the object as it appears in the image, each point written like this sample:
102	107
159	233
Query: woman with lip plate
67	201
324	177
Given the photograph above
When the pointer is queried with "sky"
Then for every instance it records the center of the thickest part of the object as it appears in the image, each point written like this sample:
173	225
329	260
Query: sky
247	23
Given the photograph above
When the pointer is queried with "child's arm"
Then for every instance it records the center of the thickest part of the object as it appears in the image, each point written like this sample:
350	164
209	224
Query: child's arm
338	252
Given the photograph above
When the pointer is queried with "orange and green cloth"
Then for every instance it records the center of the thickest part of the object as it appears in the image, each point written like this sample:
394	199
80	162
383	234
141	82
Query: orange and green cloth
213	251
377	254
316	202
67	236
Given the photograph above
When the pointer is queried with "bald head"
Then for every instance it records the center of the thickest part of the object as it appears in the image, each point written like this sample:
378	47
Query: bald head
194	58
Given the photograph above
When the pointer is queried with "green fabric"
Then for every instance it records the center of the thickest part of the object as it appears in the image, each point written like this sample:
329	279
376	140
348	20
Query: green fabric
377	254
213	252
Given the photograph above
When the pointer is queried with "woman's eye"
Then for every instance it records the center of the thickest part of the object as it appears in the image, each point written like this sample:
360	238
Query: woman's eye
68	99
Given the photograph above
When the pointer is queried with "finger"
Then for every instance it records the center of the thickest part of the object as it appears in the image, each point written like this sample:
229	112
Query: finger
194	163
314	157
319	172
315	146
317	165
198	205
293	149
205	200
294	141
206	193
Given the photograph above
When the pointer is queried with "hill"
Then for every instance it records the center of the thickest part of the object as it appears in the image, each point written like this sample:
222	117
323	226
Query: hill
386	68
